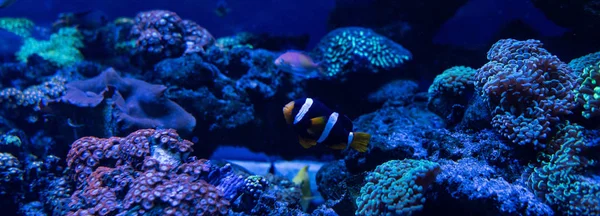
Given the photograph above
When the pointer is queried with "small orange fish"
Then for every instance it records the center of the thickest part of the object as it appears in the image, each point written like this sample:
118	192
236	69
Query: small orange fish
299	64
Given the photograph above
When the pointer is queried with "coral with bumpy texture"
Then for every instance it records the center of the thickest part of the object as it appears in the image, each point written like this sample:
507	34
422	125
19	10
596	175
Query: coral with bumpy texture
588	93
163	34
149	172
396	187
10	172
578	64
527	90
33	96
88	153
561	179
346	49
453	81
449	89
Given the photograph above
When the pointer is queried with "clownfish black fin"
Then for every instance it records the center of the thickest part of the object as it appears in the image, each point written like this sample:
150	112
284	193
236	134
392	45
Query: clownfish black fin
339	146
306	143
360	141
317	125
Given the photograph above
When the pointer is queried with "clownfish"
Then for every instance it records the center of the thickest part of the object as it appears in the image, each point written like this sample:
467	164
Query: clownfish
316	124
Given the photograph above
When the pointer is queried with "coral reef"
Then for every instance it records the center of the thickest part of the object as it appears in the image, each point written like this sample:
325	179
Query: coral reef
19	26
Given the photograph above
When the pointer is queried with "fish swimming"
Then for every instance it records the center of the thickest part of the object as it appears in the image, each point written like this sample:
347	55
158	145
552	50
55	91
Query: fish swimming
316	124
299	64
6	3
302	179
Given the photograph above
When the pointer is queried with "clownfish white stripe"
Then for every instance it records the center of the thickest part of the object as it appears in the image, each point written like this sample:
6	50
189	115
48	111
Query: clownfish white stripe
330	123
303	110
350	138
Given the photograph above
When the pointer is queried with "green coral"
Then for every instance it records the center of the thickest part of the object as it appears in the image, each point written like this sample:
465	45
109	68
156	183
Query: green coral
19	26
588	93
582	62
396	187
61	49
449	89
343	49
561	179
453	81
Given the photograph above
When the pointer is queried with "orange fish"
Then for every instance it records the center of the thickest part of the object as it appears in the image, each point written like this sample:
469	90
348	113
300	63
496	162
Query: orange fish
299	64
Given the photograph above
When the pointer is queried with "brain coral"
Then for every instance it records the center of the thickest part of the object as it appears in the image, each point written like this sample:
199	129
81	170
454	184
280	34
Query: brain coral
527	89
349	48
396	187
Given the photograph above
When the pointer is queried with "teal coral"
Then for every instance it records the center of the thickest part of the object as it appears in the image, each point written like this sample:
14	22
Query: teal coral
61	49
588	93
453	81
396	187
451	88
343	48
561	179
582	62
19	26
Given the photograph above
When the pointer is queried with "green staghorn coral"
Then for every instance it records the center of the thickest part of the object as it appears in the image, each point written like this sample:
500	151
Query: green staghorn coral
61	49
396	187
561	179
588	93
19	26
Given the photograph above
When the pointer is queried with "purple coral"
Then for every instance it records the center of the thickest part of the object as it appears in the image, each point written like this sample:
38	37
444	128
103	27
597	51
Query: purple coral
527	88
162	34
149	172
138	104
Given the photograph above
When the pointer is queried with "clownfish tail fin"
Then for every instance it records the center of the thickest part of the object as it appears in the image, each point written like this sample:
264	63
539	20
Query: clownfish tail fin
359	141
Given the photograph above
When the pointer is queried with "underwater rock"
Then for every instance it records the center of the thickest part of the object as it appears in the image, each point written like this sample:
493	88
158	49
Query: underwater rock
398	133
189	71
469	186
137	104
450	92
397	93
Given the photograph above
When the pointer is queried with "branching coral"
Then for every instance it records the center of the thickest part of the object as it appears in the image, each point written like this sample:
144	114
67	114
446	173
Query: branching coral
396	187
346	49
61	49
527	88
580	63
561	179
